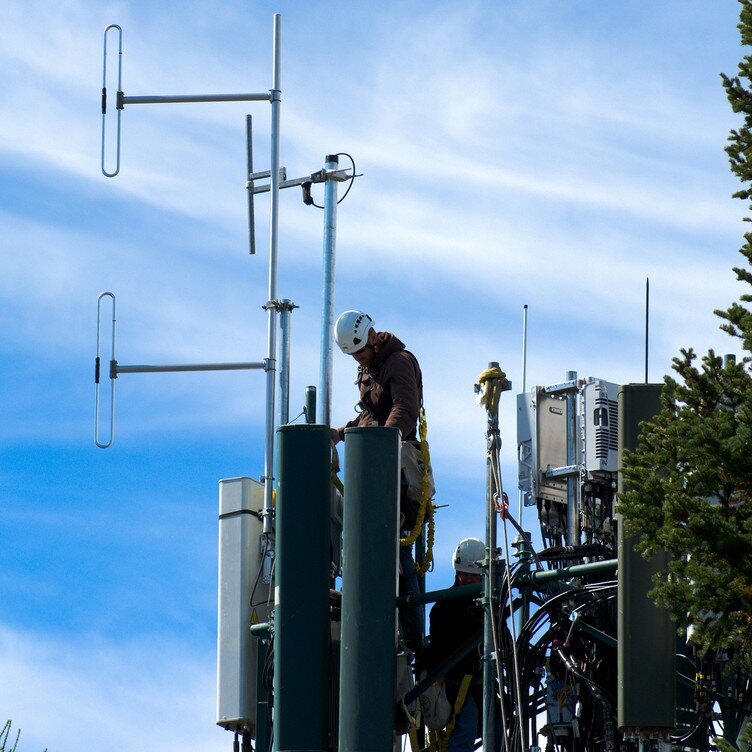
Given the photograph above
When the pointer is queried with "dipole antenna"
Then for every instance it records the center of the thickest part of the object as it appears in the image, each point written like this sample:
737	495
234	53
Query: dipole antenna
647	323
520	494
273	306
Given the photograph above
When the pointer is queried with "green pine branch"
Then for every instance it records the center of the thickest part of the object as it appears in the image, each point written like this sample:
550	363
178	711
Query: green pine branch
691	477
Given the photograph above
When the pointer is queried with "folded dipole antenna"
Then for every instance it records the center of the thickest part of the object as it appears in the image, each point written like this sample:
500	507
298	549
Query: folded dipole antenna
114	368
121	100
104	99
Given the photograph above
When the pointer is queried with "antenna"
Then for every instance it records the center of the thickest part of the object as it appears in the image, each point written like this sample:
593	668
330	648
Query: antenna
520	494
647	323
273	306
104	100
97	373
249	167
273	95
524	347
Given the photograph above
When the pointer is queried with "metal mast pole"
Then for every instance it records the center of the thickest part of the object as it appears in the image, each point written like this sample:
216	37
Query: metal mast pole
489	575
286	308
271	310
520	495
327	316
489	673
573	479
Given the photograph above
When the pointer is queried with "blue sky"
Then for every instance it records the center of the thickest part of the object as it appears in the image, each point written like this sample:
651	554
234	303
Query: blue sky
553	153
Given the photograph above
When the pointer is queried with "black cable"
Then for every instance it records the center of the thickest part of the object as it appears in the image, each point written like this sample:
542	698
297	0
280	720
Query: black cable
532	653
352	180
258	575
267	679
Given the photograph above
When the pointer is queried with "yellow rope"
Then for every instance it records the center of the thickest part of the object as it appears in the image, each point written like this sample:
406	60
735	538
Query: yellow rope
426	509
337	483
491	373
458	703
491	384
413	733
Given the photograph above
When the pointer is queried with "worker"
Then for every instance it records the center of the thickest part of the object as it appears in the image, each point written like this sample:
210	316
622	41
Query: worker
389	377
391	393
452	624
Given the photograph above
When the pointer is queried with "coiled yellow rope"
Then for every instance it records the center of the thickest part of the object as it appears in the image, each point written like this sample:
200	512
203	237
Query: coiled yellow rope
490	392
426	510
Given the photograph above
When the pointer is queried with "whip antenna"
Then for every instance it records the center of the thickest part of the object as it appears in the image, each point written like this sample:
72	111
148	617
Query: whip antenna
647	323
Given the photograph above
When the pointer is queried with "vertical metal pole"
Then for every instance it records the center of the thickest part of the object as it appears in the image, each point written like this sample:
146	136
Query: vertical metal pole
489	689
522	542
524	347
301	602
327	314
520	494
573	480
285	310
489	583
647	323
369	589
310	404
524	547
271	311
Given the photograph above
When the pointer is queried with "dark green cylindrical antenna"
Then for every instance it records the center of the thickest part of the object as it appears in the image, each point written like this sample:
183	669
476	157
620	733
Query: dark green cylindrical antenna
301	609
646	662
310	404
369	589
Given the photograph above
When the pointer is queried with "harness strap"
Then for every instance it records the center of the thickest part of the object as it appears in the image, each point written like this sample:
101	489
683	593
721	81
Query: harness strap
458	703
413	734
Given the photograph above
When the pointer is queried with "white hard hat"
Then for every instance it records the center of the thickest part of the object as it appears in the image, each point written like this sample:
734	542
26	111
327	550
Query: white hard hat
351	331
469	555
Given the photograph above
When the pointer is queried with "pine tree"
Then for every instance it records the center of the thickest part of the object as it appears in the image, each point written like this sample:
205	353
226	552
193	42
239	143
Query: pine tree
4	736
691	478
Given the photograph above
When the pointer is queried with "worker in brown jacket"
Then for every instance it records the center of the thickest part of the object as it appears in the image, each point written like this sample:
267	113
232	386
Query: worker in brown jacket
391	392
389	377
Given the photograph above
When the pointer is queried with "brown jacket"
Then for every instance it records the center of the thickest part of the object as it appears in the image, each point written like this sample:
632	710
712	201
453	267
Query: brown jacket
391	390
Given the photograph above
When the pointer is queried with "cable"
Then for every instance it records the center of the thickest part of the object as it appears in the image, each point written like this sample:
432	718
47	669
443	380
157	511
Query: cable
352	180
258	574
271	579
267	680
492	455
515	662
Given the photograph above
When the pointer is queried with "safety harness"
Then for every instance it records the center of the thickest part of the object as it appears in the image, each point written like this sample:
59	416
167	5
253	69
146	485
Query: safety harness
439	740
426	508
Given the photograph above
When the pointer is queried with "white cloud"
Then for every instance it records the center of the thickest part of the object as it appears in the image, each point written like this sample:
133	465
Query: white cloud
72	693
510	157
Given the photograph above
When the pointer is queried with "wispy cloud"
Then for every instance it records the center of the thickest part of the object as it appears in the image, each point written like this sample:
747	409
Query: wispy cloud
68	694
512	154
